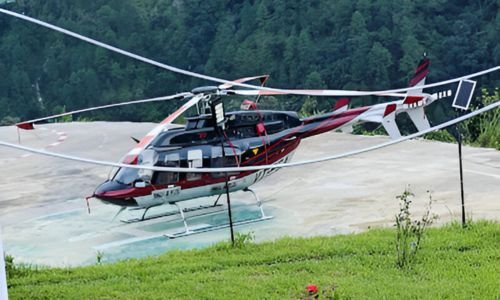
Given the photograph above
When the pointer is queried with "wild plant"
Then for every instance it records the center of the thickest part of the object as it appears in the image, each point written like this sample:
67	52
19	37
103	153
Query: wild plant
409	232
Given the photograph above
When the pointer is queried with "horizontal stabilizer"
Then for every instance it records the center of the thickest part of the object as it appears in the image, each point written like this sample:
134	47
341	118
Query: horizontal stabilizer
389	122
419	118
341	105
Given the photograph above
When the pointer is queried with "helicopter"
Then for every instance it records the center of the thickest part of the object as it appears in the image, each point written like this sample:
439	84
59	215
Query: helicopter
213	138
248	137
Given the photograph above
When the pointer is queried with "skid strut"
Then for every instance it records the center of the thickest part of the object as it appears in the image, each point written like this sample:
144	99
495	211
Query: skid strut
259	203
207	227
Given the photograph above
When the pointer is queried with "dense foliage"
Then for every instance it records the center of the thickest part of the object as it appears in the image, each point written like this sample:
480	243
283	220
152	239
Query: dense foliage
453	263
359	44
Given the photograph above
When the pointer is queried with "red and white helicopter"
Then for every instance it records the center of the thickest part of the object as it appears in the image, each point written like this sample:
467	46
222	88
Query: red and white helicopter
218	152
249	137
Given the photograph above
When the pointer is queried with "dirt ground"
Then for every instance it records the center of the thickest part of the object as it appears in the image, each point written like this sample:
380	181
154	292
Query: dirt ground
45	221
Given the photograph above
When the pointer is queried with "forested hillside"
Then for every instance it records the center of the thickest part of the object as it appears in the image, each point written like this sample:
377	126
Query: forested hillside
355	44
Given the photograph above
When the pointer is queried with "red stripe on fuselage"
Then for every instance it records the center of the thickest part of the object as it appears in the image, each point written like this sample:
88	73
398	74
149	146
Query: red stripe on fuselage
335	121
130	159
172	116
144	141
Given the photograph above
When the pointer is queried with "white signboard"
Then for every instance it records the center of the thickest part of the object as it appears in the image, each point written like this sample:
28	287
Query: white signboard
3	277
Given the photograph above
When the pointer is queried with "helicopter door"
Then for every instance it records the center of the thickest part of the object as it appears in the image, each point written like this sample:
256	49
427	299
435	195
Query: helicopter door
166	178
232	157
195	160
148	158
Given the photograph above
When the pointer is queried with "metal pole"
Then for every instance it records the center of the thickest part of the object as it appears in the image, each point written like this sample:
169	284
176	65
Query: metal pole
229	210
459	139
219	130
3	277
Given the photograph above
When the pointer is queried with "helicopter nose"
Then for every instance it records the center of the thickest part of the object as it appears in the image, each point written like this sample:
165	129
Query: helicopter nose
116	193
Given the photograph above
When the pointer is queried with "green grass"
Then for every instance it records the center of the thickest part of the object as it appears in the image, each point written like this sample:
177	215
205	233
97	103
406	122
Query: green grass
453	263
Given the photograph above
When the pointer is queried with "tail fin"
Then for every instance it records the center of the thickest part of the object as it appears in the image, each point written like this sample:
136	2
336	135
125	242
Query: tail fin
414	99
420	74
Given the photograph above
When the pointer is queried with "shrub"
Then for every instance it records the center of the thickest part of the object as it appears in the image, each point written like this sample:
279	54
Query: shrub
8	120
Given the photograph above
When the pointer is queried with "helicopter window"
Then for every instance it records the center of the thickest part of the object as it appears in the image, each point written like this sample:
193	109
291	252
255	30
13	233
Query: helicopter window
163	139
230	160
126	175
195	160
165	178
148	157
184	138
246	132
251	117
193	137
191	124
273	127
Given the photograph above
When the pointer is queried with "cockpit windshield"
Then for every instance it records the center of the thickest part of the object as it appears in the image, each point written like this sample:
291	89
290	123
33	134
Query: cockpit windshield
126	175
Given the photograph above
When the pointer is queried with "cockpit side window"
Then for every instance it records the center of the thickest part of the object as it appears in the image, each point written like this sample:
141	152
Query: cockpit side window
126	175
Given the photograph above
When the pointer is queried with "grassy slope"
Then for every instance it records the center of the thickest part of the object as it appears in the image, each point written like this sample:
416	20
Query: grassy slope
453	263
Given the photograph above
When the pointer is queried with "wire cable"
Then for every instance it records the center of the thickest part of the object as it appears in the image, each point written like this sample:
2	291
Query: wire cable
164	98
233	83
254	168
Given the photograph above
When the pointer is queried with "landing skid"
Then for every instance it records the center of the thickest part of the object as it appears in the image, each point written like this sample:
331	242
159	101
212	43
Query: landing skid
207	227
170	213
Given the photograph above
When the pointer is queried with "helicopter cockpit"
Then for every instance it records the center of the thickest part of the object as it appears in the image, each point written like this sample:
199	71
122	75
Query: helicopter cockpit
193	157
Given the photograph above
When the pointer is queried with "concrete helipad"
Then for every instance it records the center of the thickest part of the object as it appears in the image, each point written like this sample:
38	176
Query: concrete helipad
45	221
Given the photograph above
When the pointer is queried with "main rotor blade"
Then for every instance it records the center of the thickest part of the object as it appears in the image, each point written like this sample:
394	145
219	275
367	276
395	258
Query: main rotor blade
29	124
262	78
215	79
120	51
254	168
132	155
309	92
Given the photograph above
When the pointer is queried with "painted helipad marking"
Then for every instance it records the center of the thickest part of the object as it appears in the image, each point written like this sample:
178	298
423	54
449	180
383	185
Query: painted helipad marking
61	137
483	173
127	241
